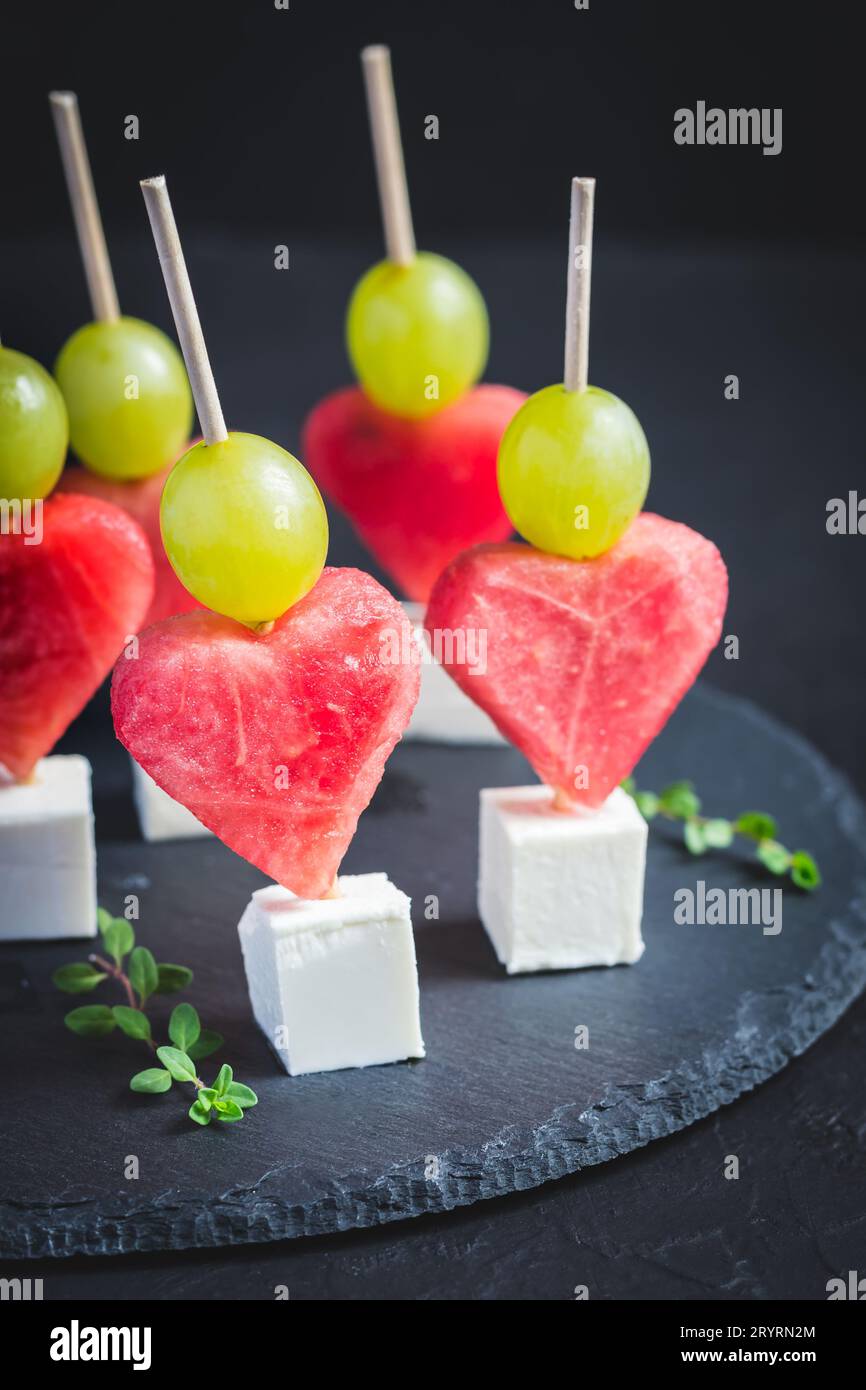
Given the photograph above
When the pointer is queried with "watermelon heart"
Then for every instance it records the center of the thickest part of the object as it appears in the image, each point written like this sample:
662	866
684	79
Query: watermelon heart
580	662
67	606
417	491
140	498
276	743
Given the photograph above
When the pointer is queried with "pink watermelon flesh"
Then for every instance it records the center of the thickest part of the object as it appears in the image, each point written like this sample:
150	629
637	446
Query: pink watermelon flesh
67	606
418	491
585	659
277	742
140	498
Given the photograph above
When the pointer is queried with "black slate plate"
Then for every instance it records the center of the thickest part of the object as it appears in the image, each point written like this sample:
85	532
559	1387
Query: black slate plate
504	1101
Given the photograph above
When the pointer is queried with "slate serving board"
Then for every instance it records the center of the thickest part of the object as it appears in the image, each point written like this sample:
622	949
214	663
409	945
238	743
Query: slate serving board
503	1101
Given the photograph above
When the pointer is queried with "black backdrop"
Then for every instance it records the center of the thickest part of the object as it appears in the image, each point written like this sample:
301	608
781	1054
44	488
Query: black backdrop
257	114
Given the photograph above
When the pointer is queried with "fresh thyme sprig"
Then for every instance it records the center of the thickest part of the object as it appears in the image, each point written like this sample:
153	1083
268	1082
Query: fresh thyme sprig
679	802
226	1099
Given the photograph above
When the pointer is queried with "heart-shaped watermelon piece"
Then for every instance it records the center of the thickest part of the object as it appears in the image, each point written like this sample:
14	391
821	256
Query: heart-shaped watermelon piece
67	606
140	497
275	742
579	663
417	491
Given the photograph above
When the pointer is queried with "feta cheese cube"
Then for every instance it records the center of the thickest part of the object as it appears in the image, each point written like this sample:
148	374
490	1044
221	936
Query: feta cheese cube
47	853
160	817
443	713
560	890
333	982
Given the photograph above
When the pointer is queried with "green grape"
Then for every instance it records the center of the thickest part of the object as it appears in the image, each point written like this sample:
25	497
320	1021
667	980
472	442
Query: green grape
417	334
129	402
574	468
244	527
34	430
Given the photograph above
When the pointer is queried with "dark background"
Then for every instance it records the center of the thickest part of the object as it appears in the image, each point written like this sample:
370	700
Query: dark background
707	261
257	115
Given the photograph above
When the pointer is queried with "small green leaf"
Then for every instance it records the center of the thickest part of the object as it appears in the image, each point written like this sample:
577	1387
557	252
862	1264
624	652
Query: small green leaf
208	1042
207	1095
142	972
151	1082
91	1021
224	1079
693	834
132	1022
104	918
119	939
184	1026
181	1067
229	1110
79	978
647	803
199	1114
673	788
680	800
774	856
718	834
756	824
171	979
242	1095
804	871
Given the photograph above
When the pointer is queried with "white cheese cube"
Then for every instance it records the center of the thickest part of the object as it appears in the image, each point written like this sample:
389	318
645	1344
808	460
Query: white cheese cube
560	890
443	713
333	982
160	817
47	853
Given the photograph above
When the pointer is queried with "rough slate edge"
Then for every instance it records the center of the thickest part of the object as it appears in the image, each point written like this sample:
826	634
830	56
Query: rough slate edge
519	1157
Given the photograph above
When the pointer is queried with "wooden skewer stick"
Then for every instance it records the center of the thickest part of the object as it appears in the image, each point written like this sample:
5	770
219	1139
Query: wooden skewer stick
388	151
579	281
186	318
85	209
